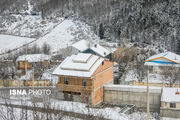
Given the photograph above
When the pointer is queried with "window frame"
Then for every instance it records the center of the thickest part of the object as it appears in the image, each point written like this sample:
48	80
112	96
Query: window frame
66	81
172	105
84	82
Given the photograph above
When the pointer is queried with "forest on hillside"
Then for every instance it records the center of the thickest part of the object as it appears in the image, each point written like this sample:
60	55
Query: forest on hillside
147	22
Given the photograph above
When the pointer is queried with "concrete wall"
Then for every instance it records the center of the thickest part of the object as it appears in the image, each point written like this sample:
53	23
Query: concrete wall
170	113
123	94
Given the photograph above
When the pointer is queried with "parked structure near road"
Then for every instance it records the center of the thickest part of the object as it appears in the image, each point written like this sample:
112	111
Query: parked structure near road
92	48
84	75
170	103
32	60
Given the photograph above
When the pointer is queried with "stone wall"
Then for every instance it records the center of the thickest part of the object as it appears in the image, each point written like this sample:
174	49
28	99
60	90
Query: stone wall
123	94
170	113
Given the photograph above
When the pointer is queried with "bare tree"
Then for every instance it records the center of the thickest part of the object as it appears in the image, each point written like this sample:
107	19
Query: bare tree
46	49
171	74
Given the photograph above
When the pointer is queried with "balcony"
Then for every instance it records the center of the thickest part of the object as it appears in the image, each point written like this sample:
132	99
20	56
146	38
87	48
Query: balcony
74	88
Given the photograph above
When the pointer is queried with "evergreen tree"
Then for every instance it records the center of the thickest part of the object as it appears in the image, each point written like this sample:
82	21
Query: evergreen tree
178	47
101	31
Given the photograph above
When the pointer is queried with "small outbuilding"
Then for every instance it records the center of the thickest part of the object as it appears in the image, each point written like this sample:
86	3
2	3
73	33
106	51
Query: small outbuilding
33	60
84	46
170	103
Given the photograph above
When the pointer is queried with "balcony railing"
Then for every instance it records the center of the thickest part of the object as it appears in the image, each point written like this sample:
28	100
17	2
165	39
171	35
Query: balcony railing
74	88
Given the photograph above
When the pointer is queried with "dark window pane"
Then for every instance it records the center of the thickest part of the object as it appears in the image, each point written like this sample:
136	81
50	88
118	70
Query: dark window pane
66	81
172	105
84	82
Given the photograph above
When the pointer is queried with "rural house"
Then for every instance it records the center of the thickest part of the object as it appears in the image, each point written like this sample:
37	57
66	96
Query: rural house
164	59
170	102
84	75
92	48
32	60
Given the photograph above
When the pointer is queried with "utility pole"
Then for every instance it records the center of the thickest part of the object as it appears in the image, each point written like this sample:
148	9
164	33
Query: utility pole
148	116
33	77
26	63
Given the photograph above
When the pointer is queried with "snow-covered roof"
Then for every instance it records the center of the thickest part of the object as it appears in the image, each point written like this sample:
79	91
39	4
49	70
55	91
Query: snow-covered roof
100	50
169	95
34	57
164	59
81	45
82	57
81	65
84	45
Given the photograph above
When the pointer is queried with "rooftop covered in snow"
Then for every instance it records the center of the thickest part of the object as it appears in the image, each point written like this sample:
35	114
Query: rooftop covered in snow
169	95
81	65
164	59
84	45
34	58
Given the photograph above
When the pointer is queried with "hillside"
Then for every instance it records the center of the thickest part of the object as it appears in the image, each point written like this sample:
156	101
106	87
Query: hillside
63	35
154	23
147	22
9	42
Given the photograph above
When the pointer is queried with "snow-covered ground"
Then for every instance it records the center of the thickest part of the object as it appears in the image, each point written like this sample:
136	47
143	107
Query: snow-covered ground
153	78
27	76
27	25
66	33
20	114
9	42
47	75
112	113
61	36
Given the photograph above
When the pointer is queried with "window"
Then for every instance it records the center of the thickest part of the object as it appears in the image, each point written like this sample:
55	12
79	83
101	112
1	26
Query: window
84	82
172	105
66	80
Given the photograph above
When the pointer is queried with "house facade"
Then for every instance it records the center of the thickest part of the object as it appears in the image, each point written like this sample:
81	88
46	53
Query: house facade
170	103
84	75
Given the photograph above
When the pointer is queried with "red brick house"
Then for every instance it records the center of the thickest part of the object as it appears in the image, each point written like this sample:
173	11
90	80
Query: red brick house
84	75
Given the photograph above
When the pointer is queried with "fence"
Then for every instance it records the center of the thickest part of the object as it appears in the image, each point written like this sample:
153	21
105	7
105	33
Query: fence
153	84
16	83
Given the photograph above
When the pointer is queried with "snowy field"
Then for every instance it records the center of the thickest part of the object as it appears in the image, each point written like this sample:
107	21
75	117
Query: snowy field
112	113
8	42
153	78
62	36
65	34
